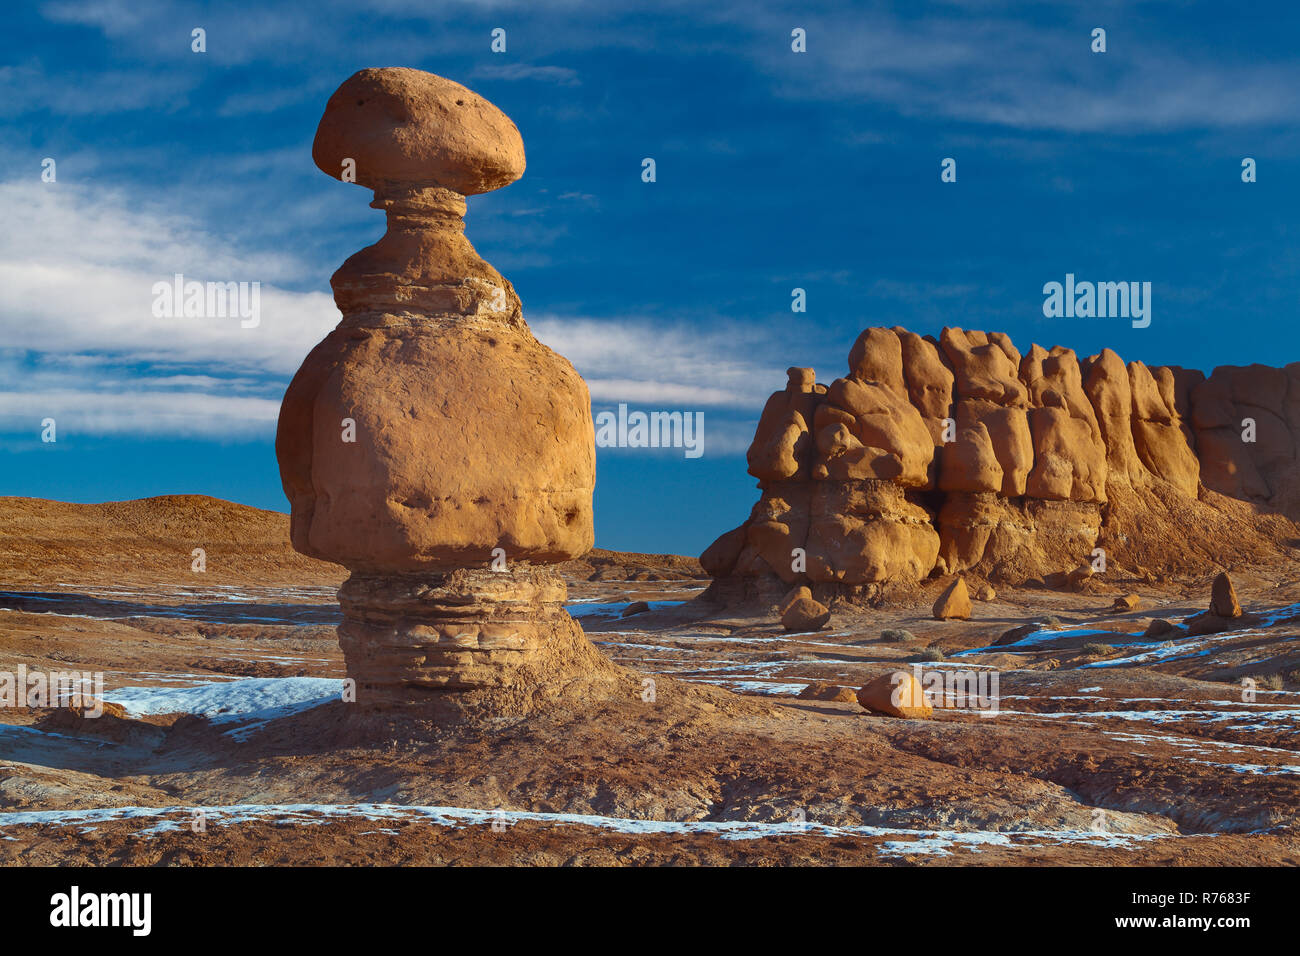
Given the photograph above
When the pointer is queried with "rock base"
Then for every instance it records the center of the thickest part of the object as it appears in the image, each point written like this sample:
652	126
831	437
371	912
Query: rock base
499	641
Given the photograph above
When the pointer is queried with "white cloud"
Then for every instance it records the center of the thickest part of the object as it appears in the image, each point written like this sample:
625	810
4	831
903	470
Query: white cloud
138	412
718	437
114	17
28	88
81	344
649	361
993	69
77	269
981	63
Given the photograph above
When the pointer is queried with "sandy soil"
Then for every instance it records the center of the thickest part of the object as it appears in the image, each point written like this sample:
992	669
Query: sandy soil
1098	747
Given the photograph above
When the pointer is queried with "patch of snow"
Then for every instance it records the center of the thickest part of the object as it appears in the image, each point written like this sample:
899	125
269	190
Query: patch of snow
754	686
255	699
611	608
902	842
1253	768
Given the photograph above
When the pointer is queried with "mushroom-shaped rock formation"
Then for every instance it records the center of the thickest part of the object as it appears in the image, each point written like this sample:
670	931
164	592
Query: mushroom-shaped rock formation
430	443
934	457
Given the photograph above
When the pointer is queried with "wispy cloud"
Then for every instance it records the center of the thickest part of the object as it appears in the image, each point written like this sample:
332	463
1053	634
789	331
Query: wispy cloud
29	88
77	270
987	66
652	362
559	75
142	411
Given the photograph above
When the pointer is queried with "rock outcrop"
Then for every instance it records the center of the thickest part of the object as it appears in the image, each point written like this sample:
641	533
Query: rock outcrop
1223	598
430	443
953	603
1224	613
936	457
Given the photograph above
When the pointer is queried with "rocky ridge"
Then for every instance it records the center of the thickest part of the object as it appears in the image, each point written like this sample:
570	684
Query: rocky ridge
962	455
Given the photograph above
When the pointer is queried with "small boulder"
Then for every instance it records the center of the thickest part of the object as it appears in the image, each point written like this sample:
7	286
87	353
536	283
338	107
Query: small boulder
1075	580
99	708
1015	634
834	693
636	607
800	612
1207	622
1223	598
953	603
1129	602
101	718
985	593
1078	579
896	694
1160	629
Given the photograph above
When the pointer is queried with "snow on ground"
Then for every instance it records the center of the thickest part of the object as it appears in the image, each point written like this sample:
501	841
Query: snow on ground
1037	640
1252	768
937	842
755	687
1271	720
22	730
1173	650
255	700
611	608
1159	651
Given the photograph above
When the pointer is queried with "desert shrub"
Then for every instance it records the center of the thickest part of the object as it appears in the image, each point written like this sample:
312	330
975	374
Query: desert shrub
927	654
1051	620
1269	682
1098	650
897	635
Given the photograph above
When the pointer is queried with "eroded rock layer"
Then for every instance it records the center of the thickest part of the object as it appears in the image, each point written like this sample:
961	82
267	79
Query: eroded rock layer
963	455
489	633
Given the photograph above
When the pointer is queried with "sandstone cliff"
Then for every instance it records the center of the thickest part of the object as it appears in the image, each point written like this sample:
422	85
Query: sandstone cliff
964	455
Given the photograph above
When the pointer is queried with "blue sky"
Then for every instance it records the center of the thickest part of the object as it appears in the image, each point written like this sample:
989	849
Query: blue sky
774	170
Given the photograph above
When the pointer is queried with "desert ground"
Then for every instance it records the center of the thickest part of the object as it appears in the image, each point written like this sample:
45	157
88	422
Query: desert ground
224	740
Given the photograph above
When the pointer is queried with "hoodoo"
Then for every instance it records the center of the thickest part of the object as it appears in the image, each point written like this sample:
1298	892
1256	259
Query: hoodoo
430	443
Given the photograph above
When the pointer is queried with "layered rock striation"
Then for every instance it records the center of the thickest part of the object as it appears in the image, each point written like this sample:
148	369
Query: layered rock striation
963	455
430	444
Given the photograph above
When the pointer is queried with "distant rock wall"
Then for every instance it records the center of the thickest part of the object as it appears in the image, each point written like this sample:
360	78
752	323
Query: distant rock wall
962	454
